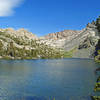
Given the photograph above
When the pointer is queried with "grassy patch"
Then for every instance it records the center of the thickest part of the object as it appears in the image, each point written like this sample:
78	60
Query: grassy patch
69	54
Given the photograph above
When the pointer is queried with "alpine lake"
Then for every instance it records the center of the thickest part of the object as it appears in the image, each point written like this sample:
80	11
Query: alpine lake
47	79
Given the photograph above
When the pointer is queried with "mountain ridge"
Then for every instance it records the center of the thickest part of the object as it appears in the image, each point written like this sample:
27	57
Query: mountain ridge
55	45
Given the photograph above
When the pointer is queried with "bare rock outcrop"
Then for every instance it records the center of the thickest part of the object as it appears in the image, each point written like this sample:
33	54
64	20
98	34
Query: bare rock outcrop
23	33
69	39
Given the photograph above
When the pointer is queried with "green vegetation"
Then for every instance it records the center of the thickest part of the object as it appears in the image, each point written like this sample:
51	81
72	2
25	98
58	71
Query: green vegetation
34	51
97	58
95	97
97	87
69	54
98	24
97	53
1	48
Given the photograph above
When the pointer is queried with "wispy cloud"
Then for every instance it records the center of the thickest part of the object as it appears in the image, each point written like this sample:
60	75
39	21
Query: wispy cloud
7	6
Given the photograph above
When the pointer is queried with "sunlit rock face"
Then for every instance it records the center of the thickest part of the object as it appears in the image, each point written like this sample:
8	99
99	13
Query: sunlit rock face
27	34
59	39
67	34
23	33
69	39
17	37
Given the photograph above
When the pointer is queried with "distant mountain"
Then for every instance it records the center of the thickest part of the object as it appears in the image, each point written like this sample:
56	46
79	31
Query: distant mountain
21	44
68	39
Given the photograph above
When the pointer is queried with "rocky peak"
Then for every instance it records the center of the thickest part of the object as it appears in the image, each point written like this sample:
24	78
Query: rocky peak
22	30
91	25
61	35
26	33
19	33
10	30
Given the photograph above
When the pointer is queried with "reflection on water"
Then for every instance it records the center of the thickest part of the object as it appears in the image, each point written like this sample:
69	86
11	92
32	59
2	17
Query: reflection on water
62	79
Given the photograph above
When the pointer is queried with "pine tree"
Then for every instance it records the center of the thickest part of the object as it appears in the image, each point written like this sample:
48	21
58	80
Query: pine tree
1	48
98	24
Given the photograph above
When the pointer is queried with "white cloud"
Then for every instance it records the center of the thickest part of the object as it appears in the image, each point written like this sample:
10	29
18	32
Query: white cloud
7	6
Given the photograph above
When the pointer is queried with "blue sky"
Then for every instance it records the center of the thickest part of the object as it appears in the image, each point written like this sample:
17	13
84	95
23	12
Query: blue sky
46	16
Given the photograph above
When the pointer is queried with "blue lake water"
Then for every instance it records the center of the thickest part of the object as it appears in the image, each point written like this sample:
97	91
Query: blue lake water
61	79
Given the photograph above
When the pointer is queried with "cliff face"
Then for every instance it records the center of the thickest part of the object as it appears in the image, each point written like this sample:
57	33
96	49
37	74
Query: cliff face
69	39
60	38
89	31
66	34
